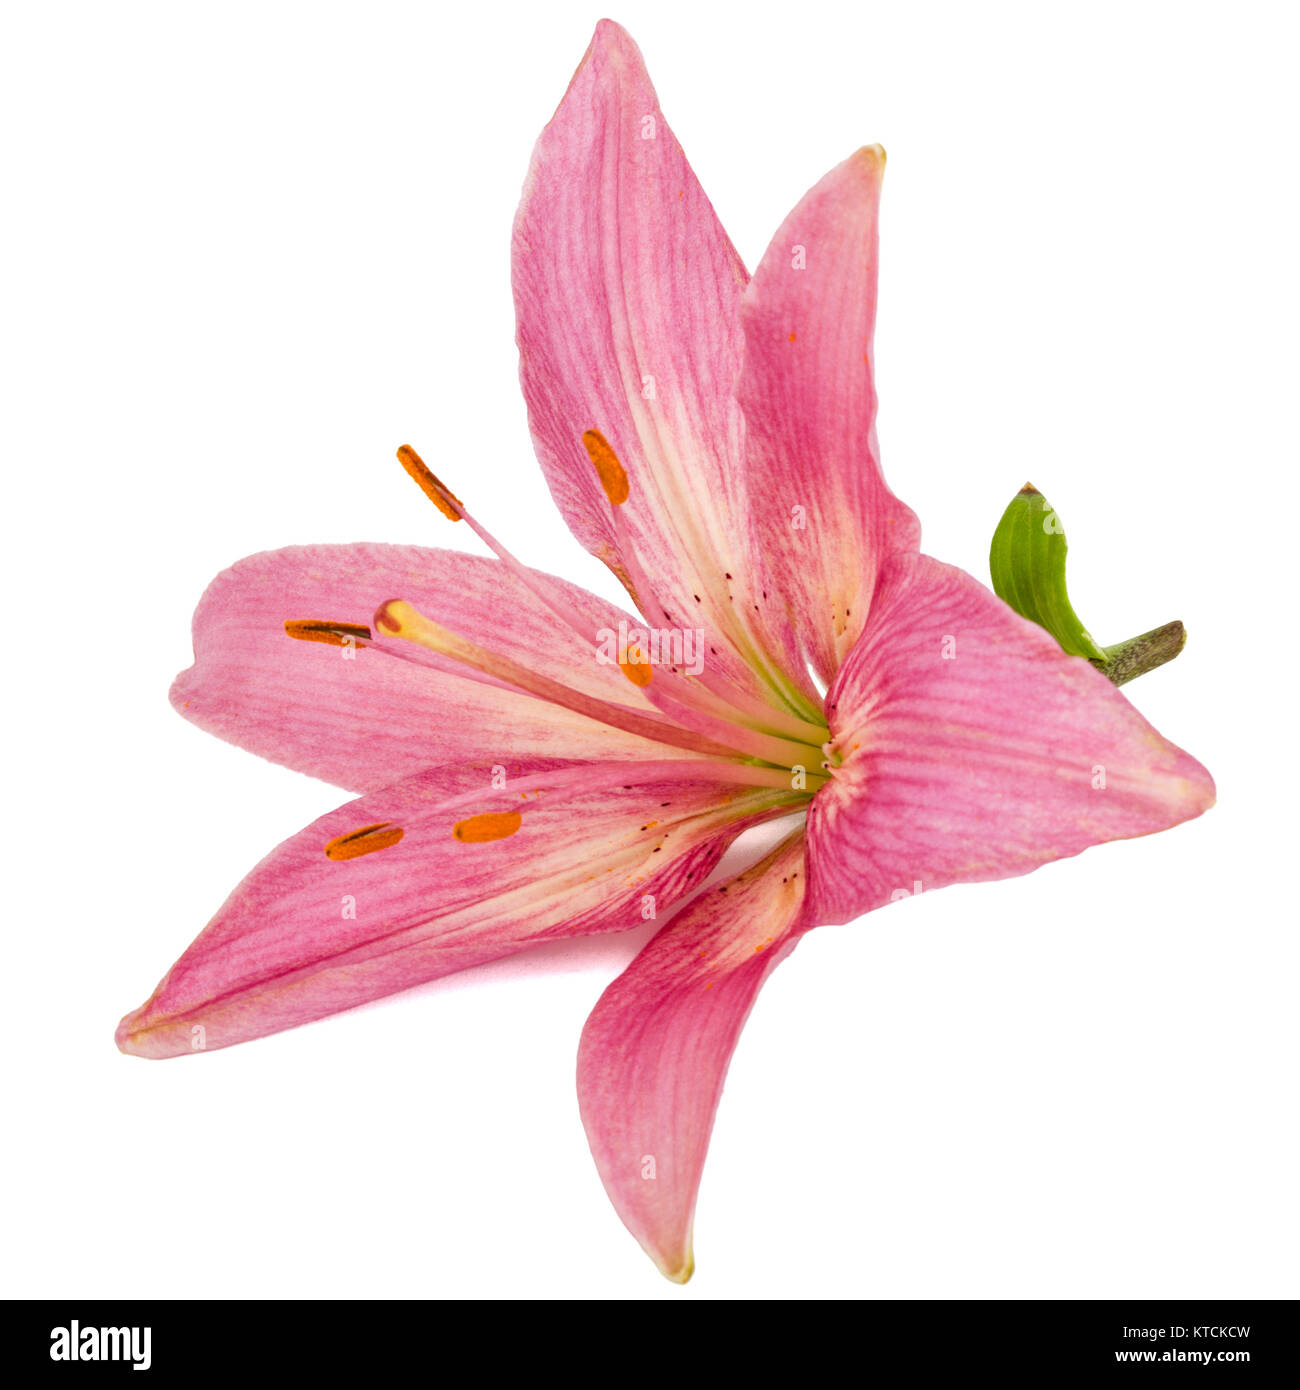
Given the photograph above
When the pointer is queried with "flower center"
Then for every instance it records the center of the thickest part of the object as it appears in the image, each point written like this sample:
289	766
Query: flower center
732	735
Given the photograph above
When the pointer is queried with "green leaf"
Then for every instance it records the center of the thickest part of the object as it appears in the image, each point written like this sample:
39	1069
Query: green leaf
1027	562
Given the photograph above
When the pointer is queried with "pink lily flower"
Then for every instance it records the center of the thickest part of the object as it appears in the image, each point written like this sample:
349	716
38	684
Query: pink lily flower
523	778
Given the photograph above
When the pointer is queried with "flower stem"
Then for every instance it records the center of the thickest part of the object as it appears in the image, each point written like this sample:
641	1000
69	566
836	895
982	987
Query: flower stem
1125	661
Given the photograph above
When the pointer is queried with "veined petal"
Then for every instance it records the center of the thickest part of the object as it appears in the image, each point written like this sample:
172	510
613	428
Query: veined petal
655	1050
820	510
627	295
363	719
440	872
975	748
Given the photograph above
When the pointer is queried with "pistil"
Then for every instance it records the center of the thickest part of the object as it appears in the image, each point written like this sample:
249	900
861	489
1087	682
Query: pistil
697	731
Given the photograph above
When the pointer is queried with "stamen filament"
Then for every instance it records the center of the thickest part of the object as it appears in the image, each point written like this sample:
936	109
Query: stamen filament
595	777
530	579
642	591
737	706
676	509
771	748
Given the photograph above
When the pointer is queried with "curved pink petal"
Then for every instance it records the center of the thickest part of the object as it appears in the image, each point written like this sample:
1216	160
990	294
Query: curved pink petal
655	1050
361	718
627	295
975	749
307	934
822	512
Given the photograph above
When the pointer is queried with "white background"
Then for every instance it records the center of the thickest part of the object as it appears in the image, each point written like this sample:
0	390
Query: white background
249	249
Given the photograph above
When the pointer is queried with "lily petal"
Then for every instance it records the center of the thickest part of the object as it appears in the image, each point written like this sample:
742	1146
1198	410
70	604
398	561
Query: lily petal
386	892
975	749
362	719
655	1051
822	514
627	294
